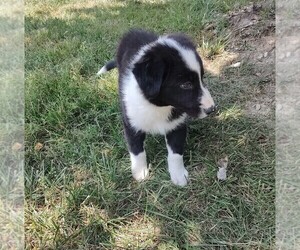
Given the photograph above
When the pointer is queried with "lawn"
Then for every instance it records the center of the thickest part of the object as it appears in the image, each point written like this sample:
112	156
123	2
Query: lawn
79	192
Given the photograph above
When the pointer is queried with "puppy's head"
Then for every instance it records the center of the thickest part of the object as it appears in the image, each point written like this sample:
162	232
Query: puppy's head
170	73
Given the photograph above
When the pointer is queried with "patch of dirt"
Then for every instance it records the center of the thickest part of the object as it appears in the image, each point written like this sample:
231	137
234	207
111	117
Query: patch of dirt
250	56
216	65
253	38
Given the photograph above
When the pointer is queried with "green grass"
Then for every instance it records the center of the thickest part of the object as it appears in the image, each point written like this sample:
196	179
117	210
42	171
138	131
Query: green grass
79	189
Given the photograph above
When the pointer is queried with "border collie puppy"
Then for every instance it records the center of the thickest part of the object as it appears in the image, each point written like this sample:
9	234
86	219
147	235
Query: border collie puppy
160	86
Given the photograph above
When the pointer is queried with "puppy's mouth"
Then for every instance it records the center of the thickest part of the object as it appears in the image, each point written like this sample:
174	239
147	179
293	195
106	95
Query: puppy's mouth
211	111
199	112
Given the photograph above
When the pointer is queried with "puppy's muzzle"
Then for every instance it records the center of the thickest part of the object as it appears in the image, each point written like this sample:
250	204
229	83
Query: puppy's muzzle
207	104
210	110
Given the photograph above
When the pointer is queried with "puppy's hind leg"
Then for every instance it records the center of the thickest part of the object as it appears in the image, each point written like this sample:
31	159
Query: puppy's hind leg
135	142
175	144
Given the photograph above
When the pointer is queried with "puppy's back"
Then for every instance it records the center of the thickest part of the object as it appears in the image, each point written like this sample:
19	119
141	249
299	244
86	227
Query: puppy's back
130	44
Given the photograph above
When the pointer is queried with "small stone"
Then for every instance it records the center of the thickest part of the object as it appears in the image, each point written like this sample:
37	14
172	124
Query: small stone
235	65
257	107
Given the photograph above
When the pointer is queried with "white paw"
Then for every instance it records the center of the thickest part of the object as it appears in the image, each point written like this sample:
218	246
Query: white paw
179	176
140	173
139	166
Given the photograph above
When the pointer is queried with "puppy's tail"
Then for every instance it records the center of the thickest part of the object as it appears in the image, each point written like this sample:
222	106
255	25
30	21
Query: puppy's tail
107	67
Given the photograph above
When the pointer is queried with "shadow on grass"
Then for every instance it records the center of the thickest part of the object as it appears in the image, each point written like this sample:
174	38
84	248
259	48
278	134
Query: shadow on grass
81	179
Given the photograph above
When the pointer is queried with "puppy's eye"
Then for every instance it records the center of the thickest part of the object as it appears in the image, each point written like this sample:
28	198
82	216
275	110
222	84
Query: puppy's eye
186	85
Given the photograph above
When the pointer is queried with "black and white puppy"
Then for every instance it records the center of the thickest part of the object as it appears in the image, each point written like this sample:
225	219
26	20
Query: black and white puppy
160	86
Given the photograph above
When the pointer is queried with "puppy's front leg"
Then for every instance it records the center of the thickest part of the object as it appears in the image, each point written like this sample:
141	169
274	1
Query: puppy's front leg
175	144
135	142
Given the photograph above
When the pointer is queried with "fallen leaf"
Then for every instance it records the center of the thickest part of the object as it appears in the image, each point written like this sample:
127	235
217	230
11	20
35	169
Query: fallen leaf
17	146
222	164
38	146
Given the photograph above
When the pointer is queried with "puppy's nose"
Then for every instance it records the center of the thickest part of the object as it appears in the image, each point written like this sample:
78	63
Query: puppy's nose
210	110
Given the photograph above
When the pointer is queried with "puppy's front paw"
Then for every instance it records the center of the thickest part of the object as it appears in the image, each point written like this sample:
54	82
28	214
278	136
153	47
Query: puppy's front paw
179	176
140	173
139	166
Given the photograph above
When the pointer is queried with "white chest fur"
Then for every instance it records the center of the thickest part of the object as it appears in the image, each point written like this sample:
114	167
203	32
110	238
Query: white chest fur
144	115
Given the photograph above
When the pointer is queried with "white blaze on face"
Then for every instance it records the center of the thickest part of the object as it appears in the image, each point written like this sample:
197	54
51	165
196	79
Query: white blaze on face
190	59
206	100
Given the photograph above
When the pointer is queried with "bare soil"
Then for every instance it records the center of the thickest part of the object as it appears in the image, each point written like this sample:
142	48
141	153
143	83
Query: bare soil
254	39
251	48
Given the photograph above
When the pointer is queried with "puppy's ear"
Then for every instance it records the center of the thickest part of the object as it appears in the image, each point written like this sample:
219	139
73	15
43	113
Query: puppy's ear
149	74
